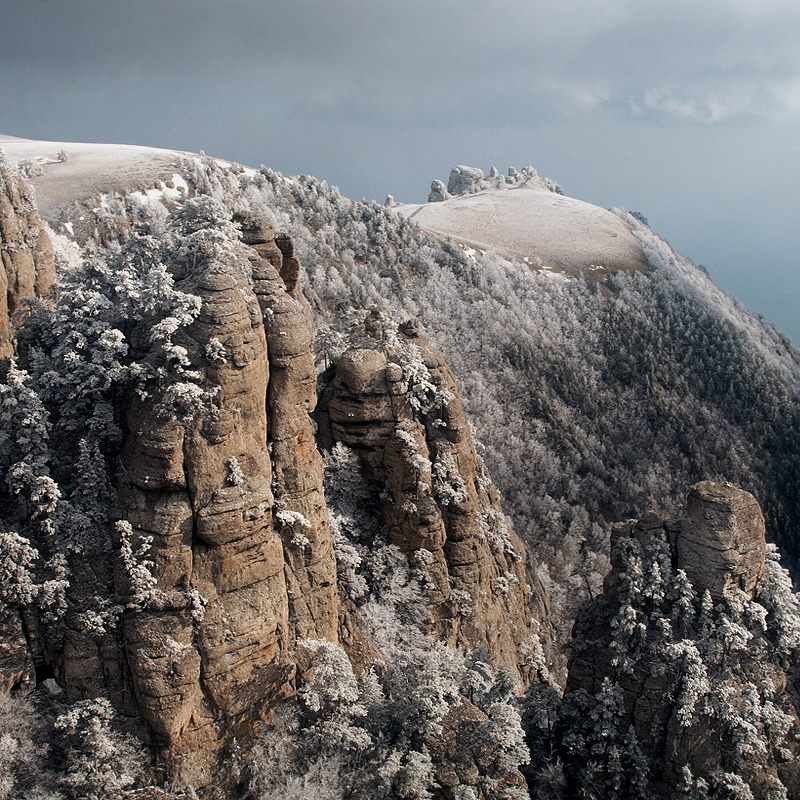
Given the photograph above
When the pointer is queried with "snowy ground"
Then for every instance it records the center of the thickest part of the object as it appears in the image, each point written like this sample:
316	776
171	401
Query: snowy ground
90	169
534	225
523	222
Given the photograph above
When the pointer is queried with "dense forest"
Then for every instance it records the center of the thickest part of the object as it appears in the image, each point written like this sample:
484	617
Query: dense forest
594	400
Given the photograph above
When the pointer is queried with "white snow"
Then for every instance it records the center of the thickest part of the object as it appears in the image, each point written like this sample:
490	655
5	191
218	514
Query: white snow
528	223
90	169
179	183
95	170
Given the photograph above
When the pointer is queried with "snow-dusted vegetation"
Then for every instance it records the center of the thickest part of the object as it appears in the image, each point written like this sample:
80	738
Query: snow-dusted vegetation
594	399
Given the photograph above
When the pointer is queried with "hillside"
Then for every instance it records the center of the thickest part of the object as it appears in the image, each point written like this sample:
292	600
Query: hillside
523	219
289	412
615	389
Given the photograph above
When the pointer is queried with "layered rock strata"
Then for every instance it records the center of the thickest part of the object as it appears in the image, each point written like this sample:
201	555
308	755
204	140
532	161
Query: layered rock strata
394	401
223	496
27	270
25	250
188	612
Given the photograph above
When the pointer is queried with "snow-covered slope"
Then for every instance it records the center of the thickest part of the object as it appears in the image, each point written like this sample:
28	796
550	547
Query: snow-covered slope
90	169
534	225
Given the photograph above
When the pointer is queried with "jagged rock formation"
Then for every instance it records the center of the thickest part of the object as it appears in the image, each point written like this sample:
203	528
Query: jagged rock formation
579	390
221	495
438	192
25	250
214	477
464	180
207	553
394	401
27	270
683	664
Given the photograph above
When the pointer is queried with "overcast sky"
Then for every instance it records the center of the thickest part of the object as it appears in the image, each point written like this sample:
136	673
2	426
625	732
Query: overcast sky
686	111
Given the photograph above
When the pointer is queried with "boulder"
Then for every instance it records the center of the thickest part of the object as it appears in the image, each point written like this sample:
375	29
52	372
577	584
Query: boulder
464	180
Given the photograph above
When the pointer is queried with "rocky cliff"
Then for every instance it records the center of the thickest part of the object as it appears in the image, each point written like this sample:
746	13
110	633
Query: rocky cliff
393	400
25	250
190	554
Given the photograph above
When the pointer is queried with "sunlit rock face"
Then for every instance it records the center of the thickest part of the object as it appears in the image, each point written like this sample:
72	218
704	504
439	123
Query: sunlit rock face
721	544
25	250
215	493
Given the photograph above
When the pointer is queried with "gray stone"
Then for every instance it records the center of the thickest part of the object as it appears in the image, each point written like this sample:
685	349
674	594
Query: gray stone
464	180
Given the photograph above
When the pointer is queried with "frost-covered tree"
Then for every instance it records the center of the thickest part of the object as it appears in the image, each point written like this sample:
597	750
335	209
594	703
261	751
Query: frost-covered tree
714	674
99	761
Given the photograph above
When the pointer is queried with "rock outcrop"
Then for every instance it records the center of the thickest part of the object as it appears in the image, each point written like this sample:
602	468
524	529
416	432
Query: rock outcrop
689	652
25	251
465	180
223	495
26	271
393	400
721	544
217	476
438	192
171	481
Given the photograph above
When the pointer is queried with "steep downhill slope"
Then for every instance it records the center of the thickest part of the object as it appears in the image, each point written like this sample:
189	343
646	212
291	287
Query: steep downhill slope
596	394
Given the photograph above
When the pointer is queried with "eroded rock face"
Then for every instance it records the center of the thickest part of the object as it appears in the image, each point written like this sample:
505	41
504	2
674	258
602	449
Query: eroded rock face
464	180
224	495
438	192
690	646
26	270
25	250
394	401
221	494
721	543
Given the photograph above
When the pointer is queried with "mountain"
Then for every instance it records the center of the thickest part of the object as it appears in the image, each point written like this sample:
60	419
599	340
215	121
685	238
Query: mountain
169	547
213	514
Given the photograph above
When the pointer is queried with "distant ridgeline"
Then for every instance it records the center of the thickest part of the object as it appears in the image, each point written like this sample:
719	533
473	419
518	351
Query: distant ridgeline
250	542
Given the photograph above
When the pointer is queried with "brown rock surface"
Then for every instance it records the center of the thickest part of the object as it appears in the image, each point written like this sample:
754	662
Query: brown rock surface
25	250
394	401
223	502
687	686
213	651
721	543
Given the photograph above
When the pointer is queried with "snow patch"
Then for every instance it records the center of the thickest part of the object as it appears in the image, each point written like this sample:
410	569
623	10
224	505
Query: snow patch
532	224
